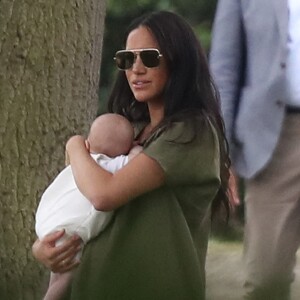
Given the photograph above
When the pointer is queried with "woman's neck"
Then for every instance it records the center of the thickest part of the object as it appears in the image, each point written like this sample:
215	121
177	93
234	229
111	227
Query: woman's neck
156	113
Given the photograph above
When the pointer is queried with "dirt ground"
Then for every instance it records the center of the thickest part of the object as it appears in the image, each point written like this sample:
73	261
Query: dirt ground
224	271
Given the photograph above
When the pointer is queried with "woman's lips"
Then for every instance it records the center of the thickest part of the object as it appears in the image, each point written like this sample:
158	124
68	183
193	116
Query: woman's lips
140	84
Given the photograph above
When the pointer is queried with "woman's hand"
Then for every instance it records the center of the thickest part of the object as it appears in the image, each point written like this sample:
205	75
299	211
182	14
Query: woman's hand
58	259
233	186
75	143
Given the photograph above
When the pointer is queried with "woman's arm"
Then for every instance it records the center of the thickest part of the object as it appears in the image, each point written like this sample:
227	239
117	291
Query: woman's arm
108	191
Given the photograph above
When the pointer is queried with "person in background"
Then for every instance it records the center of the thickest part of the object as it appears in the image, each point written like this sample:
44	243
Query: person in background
155	246
64	207
255	62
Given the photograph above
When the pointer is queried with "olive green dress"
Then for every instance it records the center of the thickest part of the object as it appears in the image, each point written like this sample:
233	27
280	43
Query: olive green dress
155	247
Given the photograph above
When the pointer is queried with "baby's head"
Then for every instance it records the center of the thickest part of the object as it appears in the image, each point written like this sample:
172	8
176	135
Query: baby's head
111	134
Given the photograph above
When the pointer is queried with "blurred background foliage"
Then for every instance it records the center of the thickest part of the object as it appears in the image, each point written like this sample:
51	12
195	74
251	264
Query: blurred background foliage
199	13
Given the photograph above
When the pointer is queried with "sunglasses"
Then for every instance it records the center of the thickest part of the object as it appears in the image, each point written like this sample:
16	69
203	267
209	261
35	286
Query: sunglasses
126	58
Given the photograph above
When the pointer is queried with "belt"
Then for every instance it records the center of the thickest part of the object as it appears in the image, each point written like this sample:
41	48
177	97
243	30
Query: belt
292	109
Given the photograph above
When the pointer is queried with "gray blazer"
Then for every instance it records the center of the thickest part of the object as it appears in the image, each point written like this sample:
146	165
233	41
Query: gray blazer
247	60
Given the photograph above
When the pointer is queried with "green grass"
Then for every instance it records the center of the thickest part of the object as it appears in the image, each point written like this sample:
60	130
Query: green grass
224	271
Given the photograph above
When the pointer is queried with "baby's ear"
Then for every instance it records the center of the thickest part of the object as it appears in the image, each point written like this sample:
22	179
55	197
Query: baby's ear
87	145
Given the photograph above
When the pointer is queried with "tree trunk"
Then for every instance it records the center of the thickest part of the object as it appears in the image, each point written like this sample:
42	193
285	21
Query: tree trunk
49	72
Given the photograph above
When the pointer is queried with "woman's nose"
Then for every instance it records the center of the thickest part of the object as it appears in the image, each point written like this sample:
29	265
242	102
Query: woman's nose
138	65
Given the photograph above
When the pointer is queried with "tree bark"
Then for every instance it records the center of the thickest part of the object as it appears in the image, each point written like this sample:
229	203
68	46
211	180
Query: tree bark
50	54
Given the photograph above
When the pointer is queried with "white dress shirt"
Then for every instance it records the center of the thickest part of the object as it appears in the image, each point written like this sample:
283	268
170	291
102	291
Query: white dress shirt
293	60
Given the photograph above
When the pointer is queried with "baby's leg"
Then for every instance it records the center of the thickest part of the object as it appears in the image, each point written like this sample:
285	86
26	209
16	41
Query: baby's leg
58	285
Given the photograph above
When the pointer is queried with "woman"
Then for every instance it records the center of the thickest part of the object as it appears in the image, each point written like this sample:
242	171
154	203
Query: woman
155	247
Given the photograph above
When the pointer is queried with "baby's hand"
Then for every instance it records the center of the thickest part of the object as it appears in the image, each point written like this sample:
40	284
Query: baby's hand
134	151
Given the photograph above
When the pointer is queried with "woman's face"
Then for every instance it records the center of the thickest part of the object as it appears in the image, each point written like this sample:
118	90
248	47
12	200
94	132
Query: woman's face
147	84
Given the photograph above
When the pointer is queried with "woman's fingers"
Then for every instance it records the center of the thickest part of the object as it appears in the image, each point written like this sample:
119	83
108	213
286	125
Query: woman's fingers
43	251
65	254
57	258
53	237
65	265
71	242
233	186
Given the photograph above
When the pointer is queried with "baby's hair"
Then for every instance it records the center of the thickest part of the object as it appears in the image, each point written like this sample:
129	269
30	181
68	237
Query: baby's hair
111	134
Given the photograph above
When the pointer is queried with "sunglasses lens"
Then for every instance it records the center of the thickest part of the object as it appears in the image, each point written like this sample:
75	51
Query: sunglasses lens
124	60
150	58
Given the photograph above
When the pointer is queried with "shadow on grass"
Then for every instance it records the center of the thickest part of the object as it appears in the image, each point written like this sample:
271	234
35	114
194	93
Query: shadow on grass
224	270
224	264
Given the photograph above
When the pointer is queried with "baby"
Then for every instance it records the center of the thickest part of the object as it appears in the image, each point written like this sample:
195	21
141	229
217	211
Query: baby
62	205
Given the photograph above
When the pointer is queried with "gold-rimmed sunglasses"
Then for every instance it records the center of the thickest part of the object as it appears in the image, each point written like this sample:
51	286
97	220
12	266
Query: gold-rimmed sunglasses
125	58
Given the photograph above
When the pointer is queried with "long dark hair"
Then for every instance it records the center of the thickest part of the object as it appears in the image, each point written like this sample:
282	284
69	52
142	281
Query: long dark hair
190	90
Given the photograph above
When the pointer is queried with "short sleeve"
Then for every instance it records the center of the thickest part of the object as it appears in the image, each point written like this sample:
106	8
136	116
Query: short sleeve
187	157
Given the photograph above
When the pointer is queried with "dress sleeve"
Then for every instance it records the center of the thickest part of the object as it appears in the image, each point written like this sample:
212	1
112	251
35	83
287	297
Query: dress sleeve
187	157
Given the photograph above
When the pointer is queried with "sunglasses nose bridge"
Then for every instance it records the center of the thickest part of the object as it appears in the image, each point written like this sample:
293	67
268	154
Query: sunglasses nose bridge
137	58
